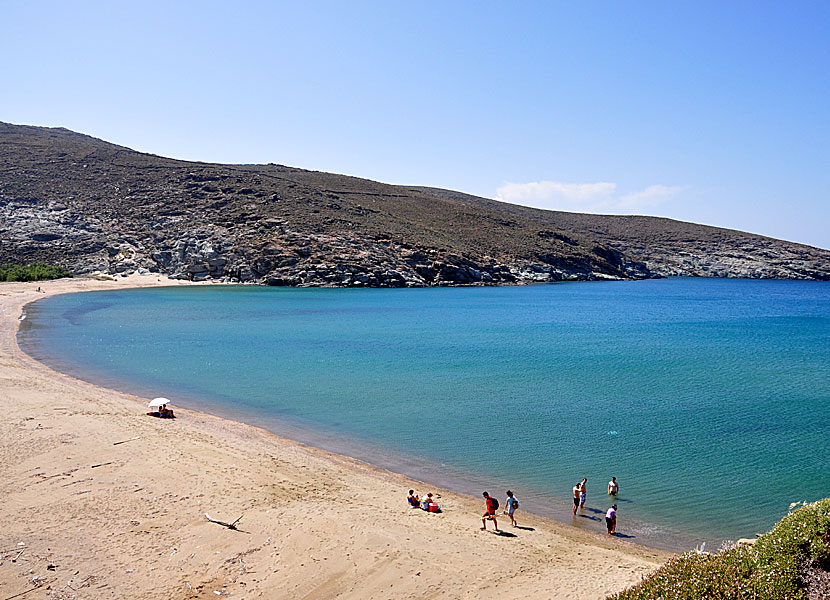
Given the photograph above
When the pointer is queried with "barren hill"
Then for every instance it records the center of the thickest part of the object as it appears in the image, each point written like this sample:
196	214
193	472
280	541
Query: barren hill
92	206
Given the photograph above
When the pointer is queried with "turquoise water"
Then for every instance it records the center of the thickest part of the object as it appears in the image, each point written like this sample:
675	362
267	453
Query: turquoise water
709	400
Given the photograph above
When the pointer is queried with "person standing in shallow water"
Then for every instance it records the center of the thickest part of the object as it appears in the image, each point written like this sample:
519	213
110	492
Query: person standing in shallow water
576	496
613	487
583	492
611	520
490	511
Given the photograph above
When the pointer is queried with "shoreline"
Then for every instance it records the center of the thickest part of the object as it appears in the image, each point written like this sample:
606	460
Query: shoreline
389	460
291	496
443	472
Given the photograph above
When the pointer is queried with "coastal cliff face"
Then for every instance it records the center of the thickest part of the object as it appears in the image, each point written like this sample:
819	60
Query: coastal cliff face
94	207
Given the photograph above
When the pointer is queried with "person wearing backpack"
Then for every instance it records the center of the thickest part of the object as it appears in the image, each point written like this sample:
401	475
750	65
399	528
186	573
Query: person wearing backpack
491	506
512	504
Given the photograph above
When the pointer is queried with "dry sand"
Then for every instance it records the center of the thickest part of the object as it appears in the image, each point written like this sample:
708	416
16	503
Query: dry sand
314	524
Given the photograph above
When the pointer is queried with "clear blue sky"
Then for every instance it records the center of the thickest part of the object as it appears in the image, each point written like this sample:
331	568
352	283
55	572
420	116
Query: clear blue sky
712	112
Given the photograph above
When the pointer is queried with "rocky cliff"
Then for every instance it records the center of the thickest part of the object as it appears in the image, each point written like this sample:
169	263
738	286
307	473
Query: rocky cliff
92	206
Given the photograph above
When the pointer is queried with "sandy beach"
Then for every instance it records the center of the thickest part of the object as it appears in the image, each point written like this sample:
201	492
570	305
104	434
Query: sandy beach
86	517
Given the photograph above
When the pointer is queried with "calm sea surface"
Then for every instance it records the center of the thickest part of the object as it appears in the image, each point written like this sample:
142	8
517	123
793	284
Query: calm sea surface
709	400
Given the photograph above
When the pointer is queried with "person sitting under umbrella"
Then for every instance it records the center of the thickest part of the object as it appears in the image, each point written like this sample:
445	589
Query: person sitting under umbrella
161	410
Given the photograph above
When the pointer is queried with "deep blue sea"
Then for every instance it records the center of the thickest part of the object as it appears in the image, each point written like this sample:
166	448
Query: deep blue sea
708	400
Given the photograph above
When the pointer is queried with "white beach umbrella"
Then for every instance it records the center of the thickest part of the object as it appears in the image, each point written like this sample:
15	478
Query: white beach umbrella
156	402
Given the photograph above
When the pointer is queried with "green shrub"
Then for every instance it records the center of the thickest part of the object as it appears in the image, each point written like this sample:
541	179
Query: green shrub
803	534
32	272
767	570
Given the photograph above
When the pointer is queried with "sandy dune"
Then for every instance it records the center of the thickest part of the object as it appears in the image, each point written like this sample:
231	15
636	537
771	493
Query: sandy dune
314	525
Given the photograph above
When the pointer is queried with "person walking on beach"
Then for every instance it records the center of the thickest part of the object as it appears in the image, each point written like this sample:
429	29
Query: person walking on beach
583	492
491	506
576	496
512	505
613	487
611	520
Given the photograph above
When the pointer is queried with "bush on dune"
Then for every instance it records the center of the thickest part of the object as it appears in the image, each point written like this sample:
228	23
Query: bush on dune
32	272
771	569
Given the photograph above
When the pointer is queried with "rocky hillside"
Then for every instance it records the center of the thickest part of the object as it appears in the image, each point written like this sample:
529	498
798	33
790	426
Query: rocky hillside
91	206
676	248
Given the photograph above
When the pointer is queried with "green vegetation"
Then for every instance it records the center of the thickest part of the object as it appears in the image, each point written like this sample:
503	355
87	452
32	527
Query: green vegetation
34	272
772	568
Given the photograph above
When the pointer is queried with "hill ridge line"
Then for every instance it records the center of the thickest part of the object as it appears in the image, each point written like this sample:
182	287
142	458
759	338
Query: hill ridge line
96	207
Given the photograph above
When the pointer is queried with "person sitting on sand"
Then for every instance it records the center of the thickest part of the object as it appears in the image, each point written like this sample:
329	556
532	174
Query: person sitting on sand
429	504
413	500
613	486
166	413
611	519
491	506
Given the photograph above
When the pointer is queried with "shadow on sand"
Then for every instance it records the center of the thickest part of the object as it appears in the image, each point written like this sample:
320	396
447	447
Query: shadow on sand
504	533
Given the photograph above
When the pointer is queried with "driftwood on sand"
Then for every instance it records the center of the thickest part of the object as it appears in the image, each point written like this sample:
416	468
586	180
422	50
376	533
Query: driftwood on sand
138	437
228	525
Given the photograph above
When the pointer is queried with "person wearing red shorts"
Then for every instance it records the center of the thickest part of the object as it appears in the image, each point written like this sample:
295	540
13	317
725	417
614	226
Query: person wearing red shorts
611	520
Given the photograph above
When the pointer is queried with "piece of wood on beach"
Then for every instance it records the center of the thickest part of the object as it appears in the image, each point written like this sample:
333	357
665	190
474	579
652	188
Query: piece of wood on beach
228	525
101	464
138	437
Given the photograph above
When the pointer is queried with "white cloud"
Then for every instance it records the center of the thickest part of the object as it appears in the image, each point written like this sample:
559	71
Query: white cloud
653	195
598	197
542	194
